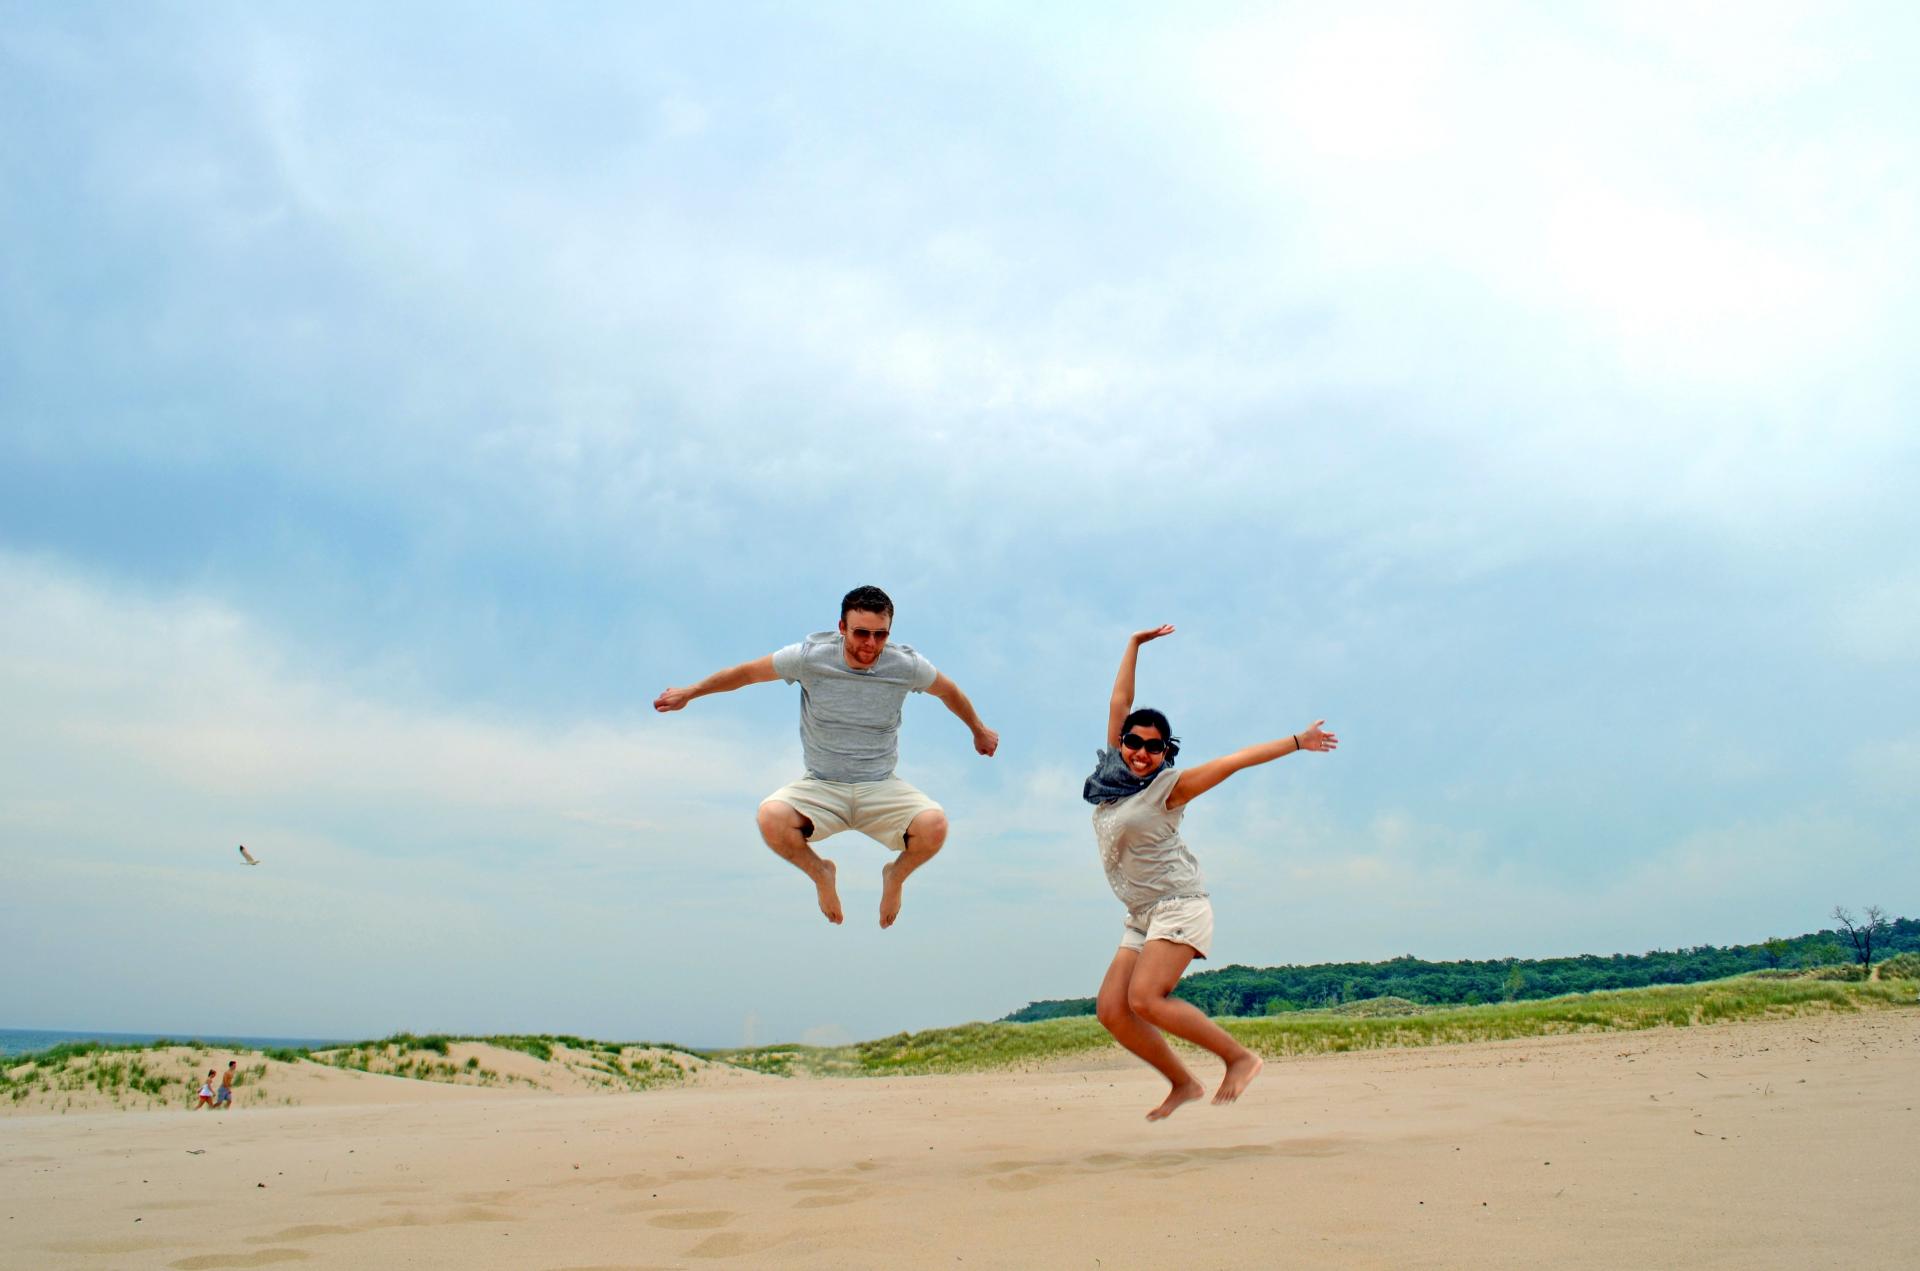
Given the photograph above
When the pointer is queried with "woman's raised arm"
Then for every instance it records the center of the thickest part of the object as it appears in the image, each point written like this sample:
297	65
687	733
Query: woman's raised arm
1122	701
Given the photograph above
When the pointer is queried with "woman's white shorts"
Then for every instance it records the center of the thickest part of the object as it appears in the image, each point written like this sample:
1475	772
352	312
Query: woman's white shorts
1184	920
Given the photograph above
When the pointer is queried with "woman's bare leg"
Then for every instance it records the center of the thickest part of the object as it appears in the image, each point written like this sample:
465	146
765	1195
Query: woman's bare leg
1140	1037
1148	995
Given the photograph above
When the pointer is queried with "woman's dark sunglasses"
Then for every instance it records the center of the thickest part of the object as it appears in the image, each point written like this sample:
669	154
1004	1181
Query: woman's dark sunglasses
1152	745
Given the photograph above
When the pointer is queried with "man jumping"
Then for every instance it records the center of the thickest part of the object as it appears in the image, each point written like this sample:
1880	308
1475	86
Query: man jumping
852	684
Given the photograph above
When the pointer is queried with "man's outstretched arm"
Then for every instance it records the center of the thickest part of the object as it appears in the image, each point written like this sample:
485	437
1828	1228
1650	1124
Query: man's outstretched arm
758	671
985	740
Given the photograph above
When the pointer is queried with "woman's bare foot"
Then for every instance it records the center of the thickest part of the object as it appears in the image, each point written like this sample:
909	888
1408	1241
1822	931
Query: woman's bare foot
890	884
829	894
1240	1075
1186	1092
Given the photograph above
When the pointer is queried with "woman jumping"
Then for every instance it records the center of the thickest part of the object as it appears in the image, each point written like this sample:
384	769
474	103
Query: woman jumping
1138	801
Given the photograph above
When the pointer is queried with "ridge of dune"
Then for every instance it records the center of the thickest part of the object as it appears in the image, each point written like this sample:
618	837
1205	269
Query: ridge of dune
168	1077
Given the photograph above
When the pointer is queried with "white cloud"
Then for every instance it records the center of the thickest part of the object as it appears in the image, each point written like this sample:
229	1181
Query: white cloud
1575	255
183	693
1347	85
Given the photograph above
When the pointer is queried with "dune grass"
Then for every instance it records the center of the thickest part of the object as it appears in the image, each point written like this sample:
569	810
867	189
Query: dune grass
983	1047
136	1074
614	1065
122	1071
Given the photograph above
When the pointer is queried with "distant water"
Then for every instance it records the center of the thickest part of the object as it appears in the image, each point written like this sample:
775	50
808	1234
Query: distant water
19	1041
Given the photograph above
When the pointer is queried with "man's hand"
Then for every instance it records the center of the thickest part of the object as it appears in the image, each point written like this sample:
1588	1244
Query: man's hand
986	741
1141	637
672	700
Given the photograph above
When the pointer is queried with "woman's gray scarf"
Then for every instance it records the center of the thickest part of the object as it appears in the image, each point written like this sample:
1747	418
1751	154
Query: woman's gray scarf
1112	779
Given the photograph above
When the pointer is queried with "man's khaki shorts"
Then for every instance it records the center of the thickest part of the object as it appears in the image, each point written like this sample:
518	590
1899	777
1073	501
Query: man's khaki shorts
881	810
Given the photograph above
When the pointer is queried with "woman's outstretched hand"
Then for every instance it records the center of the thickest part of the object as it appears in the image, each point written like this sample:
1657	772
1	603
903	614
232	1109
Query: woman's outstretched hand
1317	737
1141	637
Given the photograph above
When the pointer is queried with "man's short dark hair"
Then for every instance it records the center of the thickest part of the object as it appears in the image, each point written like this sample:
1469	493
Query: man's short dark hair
866	600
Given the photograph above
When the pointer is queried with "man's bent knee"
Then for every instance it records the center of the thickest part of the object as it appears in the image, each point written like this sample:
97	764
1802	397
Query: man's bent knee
927	832
1112	1011
778	820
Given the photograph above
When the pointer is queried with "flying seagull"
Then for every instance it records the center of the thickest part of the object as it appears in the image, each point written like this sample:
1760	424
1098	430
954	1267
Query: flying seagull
249	857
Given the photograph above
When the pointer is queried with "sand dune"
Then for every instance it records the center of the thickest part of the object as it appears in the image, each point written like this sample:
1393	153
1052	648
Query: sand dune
1786	1143
468	1068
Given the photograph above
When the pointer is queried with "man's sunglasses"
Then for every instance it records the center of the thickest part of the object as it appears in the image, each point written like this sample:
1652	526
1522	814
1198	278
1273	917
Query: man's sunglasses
861	633
1152	745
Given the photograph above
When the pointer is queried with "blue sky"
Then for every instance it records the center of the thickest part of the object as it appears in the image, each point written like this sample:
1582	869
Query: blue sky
392	403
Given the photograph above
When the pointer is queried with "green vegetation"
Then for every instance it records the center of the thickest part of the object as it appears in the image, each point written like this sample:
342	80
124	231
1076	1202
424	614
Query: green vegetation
119	1071
615	1065
538	1047
1240	990
1901	966
1355	1026
1283	1027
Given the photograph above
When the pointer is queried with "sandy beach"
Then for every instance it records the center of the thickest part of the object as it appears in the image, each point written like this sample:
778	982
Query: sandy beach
1788	1143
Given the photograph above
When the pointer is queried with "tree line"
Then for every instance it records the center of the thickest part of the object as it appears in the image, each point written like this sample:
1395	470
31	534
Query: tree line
1243	990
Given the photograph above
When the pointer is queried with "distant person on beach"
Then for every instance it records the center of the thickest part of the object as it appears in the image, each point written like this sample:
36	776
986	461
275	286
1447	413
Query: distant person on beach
1138	801
852	685
225	1099
206	1091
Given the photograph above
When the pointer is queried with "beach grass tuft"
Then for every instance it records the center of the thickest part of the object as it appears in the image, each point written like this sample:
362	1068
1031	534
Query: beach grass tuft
1901	966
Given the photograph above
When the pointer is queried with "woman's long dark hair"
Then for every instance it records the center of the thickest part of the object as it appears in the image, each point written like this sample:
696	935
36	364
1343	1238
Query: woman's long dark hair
1154	719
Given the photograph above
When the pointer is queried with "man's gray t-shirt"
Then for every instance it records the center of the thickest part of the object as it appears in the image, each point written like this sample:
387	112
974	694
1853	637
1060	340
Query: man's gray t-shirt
850	720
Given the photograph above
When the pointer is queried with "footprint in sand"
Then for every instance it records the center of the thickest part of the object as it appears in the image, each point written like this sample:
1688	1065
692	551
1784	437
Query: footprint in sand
823	1184
732	1244
694	1219
1236	1152
413	1218
304	1232
639	1182
266	1257
1009	1167
1024	1182
846	1191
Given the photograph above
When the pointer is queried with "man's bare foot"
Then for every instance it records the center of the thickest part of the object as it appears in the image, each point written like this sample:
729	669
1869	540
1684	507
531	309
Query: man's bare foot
890	884
829	894
1240	1075
1186	1092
